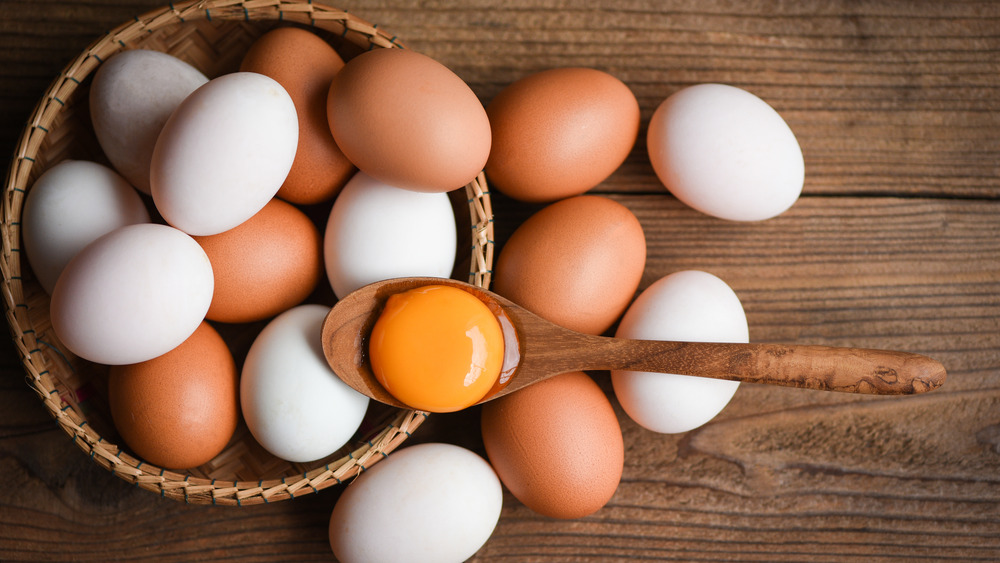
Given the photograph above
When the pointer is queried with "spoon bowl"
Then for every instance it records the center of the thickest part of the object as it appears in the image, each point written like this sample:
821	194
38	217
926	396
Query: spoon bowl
536	349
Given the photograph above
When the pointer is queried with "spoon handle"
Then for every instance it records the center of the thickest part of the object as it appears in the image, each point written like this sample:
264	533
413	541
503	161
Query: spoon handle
851	370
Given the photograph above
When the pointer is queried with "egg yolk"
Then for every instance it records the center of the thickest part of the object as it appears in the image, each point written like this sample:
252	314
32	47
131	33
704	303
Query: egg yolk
436	348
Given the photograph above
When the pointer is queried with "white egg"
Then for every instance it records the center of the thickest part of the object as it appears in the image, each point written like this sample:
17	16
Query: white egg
132	295
433	502
376	231
690	306
71	205
131	97
293	403
726	153
223	153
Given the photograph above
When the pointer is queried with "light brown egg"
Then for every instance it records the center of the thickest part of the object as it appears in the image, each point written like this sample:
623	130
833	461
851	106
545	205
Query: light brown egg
408	121
556	445
577	263
178	410
559	132
304	65
264	266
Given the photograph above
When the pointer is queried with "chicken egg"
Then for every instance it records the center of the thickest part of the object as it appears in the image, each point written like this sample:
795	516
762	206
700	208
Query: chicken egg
408	120
559	132
293	403
178	410
132	295
577	262
691	306
376	231
71	205
265	265
224	153
726	153
132	95
556	445
452	496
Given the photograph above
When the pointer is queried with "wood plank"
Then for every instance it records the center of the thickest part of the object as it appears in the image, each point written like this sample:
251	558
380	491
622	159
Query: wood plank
879	96
883	100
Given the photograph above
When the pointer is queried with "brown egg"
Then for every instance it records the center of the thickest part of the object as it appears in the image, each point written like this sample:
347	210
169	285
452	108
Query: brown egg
577	263
560	132
304	65
556	445
178	410
264	266
408	121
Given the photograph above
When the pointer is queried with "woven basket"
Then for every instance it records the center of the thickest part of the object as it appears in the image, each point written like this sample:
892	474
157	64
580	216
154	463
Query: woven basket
211	35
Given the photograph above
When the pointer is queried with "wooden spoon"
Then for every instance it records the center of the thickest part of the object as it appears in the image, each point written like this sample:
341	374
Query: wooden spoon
536	349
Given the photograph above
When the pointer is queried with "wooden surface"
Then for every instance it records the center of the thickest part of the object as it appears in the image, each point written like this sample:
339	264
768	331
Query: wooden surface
894	244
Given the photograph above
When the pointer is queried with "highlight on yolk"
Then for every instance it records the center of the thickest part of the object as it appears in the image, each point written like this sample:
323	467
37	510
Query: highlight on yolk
436	348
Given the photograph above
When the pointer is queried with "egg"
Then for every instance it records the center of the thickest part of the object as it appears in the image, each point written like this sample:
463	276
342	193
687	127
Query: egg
725	152
376	231
577	262
304	65
69	206
556	445
131	96
267	264
132	295
436	348
559	132
293	403
409	121
691	306
178	410
223	153
432	502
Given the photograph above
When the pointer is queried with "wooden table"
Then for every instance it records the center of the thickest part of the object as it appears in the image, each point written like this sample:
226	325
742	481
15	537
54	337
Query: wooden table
895	243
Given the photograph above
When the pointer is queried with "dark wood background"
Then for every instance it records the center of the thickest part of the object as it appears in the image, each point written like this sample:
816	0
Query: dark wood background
894	244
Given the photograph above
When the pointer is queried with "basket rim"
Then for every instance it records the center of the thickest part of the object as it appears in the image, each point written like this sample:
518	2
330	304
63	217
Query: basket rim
168	483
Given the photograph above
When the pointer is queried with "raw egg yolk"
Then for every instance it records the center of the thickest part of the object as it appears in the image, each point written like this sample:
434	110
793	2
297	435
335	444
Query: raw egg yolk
436	348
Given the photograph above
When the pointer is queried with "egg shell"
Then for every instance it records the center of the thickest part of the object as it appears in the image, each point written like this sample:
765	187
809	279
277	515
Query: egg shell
224	153
178	410
293	403
267	264
725	152
559	132
577	262
304	65
556	445
432	502
132	295
132	95
408	120
690	306
69	206
376	231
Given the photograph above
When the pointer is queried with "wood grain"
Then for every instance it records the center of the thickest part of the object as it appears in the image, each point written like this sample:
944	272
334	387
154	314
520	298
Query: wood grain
895	244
